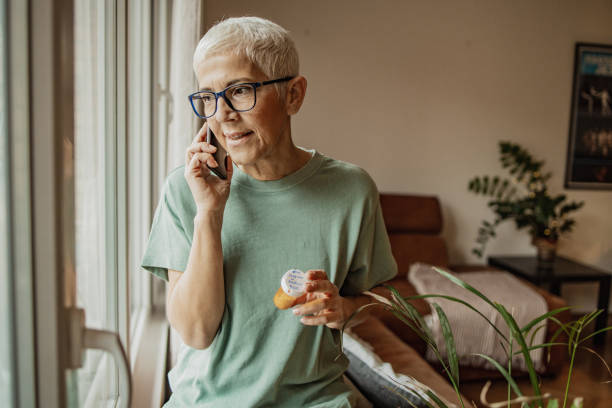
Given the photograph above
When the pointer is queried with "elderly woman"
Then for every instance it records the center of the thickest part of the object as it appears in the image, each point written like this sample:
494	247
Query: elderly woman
223	245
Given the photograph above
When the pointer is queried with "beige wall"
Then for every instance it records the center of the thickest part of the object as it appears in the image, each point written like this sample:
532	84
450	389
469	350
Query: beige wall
420	92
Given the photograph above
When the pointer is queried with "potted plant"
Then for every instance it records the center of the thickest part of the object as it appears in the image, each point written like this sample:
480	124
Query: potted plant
524	198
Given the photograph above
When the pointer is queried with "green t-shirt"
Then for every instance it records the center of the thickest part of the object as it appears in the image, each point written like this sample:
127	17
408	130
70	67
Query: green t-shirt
325	215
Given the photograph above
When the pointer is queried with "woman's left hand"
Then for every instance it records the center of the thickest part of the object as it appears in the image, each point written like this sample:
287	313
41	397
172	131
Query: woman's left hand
323	302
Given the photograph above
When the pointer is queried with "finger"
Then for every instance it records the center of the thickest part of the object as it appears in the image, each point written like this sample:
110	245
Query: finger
201	135
302	299
197	148
196	167
210	160
202	160
316	274
320	286
206	159
315	306
329	319
201	147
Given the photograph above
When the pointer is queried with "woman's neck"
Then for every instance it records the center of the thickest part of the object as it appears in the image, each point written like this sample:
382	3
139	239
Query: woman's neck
281	163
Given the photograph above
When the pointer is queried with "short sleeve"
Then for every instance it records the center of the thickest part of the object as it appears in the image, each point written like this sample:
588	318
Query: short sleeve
373	262
169	240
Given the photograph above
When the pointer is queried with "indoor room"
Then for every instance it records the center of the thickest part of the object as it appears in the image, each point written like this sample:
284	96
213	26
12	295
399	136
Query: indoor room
349	203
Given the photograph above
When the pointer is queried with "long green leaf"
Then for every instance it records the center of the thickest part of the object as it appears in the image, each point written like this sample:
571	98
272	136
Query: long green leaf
359	309
503	372
436	399
356	312
553	403
463	284
454	299
426	336
449	340
534	333
575	328
410	309
590	317
539	346
518	335
538	319
577	403
409	388
562	326
413	327
605	329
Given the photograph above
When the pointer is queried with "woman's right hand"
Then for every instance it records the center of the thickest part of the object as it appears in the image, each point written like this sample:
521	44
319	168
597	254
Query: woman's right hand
209	192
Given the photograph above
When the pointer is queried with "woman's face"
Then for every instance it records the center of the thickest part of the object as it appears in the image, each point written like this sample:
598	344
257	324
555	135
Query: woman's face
253	138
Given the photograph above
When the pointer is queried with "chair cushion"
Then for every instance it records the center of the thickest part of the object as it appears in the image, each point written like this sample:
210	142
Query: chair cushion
376	380
402	358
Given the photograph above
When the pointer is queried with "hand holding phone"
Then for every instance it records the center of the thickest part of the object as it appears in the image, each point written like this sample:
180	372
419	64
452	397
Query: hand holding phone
219	155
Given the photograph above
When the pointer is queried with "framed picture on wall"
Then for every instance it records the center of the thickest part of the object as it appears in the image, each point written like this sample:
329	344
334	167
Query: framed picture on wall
589	153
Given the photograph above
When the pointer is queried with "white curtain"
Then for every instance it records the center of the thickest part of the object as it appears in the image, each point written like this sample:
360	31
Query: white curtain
187	27
177	80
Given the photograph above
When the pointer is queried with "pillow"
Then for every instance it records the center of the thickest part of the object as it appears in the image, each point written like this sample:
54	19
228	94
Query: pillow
377	380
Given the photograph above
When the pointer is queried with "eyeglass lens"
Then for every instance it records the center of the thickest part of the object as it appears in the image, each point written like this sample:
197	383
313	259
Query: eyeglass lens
241	98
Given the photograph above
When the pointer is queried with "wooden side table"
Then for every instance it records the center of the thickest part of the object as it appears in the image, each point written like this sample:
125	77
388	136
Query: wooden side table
561	271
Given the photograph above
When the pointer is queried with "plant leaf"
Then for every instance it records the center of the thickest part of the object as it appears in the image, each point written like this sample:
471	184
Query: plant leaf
503	372
553	403
518	335
454	299
605	329
463	284
410	309
538	319
436	399
449	340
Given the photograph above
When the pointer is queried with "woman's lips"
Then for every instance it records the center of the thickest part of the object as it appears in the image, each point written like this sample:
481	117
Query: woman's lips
237	138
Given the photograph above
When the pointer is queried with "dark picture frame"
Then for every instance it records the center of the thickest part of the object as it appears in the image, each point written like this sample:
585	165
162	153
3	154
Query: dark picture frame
589	152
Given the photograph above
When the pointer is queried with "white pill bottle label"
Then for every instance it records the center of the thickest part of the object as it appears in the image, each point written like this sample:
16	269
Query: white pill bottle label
293	282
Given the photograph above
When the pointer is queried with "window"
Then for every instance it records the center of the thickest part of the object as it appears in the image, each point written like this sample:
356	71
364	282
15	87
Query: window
42	129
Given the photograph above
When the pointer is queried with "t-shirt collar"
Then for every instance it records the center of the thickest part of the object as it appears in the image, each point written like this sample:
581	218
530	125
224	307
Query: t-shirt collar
284	183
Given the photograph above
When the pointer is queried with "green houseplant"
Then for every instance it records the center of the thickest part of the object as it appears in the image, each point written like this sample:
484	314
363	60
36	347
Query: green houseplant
524	197
519	341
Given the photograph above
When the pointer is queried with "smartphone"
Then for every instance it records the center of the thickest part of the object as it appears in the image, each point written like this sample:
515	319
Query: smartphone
219	155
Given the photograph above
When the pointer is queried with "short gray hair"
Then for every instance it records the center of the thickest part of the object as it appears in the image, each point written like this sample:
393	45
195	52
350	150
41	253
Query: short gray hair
266	44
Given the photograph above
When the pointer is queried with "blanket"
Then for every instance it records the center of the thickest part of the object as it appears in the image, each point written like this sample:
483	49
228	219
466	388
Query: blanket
472	333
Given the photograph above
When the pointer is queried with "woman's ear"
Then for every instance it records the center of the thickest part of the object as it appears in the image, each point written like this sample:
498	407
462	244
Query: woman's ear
296	91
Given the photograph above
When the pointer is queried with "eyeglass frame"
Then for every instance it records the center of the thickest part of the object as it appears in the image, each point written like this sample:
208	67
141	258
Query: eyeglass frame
221	94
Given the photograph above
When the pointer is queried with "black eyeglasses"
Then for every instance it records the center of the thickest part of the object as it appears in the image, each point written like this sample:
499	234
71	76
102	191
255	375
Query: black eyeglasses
240	97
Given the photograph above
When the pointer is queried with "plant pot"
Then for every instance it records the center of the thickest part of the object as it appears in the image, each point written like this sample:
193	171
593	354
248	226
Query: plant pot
547	251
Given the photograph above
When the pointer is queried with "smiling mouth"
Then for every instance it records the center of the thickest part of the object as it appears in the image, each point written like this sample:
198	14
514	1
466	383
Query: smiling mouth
238	135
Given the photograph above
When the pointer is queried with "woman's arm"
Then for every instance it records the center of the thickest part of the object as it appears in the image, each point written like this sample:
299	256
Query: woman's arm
196	297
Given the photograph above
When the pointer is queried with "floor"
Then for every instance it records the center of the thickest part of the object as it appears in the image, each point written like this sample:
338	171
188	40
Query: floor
589	379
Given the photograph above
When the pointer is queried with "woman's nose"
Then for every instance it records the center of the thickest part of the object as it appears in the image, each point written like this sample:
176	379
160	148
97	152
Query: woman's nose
224	112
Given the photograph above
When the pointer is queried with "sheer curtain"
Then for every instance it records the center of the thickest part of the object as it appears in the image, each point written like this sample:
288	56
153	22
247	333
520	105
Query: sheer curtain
187	27
93	131
6	383
175	81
